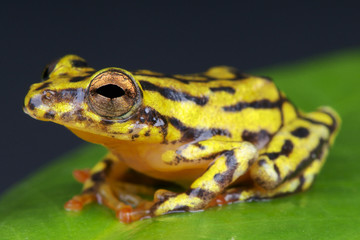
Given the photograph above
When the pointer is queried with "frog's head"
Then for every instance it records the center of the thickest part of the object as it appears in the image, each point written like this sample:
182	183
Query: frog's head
107	103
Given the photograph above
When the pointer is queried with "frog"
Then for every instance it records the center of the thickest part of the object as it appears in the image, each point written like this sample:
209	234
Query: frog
220	136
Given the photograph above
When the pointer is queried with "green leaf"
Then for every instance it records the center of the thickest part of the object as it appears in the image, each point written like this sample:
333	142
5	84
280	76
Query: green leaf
329	210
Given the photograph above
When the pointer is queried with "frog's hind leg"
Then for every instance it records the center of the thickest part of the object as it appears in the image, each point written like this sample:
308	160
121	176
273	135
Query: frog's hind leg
103	185
296	184
292	159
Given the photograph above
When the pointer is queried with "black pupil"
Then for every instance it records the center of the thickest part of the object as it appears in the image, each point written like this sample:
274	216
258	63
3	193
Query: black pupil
110	91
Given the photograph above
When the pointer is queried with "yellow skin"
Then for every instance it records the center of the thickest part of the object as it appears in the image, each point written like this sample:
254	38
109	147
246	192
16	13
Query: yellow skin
202	131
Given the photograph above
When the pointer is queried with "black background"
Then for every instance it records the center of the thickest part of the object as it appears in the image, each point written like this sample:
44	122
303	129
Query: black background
170	37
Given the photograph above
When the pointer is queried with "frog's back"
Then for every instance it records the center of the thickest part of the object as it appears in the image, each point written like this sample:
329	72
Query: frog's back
221	103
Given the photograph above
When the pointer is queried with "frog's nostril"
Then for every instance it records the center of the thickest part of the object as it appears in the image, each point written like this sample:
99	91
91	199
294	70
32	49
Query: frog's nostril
48	94
47	97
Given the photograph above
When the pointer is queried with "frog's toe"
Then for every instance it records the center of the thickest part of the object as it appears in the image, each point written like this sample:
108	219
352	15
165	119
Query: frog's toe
219	200
81	175
127	214
77	202
73	205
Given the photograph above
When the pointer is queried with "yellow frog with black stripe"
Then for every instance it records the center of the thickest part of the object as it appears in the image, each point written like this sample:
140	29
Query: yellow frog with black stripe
222	135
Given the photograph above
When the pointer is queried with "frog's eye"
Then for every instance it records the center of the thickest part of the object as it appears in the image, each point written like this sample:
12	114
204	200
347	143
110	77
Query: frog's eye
113	93
48	70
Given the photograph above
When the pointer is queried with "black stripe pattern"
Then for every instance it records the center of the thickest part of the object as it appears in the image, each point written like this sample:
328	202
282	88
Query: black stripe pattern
78	78
260	104
172	94
225	178
189	133
79	63
316	153
286	149
300	132
223	89
205	78
42	86
331	127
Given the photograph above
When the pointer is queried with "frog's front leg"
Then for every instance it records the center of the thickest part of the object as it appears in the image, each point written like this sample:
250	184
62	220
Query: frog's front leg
231	160
103	185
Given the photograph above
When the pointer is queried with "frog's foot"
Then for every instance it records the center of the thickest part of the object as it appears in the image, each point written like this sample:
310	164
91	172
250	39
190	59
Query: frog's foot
77	202
101	193
128	207
102	185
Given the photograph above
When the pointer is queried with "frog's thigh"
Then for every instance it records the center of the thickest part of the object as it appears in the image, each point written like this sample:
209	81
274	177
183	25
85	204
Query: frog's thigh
294	149
233	160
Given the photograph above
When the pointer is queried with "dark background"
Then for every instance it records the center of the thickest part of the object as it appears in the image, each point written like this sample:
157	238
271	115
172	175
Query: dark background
167	37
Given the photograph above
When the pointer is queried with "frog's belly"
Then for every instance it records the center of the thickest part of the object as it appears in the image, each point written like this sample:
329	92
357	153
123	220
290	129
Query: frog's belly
146	158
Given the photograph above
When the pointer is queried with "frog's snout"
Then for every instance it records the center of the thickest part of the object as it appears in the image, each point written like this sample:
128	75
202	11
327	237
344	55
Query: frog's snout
29	106
36	103
47	103
25	109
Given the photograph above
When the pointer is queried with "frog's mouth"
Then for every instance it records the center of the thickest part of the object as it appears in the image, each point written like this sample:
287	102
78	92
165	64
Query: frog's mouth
25	109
